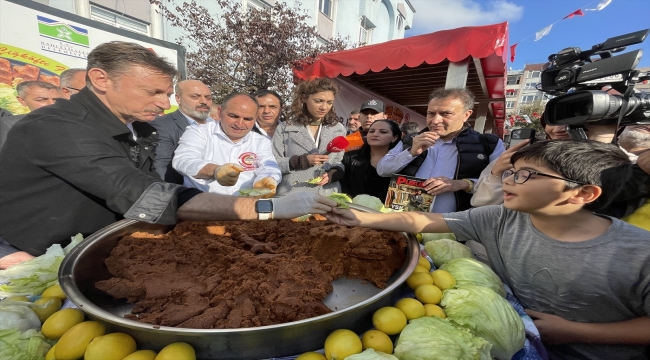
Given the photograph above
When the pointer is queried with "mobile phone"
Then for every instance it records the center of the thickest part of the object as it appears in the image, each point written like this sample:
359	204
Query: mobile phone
519	135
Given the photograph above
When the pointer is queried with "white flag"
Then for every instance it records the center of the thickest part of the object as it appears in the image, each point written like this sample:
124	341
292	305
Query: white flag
601	5
540	34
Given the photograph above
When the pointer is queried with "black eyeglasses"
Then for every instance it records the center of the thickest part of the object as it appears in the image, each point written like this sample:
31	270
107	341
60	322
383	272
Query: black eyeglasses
521	176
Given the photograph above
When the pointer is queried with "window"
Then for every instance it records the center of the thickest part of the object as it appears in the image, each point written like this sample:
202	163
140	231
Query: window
325	6
116	19
400	22
528	98
531	85
510	104
365	35
513	80
511	92
533	74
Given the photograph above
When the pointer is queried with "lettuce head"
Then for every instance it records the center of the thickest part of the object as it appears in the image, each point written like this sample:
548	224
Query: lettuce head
433	338
444	250
473	272
488	315
371	354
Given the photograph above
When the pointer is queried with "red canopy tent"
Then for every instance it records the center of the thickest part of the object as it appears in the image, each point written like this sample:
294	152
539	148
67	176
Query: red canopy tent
405	71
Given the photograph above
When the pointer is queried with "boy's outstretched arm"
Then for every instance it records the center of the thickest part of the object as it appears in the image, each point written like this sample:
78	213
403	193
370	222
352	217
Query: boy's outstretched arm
556	330
410	221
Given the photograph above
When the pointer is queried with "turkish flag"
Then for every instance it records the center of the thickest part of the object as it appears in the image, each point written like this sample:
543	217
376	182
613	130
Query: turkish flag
575	13
512	52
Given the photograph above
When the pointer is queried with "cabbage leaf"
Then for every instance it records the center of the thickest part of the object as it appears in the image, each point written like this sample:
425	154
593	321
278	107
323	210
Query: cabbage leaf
432	338
22	345
368	201
487	315
33	276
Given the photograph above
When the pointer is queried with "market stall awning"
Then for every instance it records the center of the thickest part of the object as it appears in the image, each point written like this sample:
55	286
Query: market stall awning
407	70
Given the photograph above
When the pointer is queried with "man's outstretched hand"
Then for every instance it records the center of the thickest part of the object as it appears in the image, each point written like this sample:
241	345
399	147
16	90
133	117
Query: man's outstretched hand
301	203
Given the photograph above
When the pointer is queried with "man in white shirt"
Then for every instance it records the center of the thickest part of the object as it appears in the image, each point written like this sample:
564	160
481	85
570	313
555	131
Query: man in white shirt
225	156
194	100
449	154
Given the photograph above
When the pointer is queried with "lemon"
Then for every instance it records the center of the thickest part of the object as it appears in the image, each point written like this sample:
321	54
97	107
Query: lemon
434	310
389	320
420	269
412	308
177	351
46	307
341	344
72	345
419	237
443	279
60	322
113	346
417	279
50	354
54	291
142	355
428	294
18	298
309	356
422	261
377	340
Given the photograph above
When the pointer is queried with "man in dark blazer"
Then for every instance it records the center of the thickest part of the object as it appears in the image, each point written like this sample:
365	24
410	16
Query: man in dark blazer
194	101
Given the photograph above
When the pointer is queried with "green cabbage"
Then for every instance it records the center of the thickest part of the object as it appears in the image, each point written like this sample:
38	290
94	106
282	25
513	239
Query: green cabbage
487	315
27	345
33	276
371	354
432	338
368	201
18	315
426	237
444	250
473	272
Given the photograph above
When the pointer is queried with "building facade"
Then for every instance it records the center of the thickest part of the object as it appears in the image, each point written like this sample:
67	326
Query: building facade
521	87
364	22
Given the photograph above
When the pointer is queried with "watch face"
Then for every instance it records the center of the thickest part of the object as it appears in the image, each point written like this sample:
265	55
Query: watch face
263	206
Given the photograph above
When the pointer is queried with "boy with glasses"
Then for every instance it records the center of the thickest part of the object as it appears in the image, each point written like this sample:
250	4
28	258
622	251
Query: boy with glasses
584	278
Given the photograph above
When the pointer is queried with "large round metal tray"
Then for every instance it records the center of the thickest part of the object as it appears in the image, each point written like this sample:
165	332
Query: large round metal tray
353	302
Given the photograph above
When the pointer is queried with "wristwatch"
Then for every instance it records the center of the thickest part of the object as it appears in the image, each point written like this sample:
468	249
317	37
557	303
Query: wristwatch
264	209
470	189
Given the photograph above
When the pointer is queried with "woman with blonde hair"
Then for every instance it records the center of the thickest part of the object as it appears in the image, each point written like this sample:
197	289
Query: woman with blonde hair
300	144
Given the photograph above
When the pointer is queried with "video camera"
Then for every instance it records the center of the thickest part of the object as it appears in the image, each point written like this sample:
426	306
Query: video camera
576	80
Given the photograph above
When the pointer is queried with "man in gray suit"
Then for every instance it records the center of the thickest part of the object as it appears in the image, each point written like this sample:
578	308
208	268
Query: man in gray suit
34	95
194	101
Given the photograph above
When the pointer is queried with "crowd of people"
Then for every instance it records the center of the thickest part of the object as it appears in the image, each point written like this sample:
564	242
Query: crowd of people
561	221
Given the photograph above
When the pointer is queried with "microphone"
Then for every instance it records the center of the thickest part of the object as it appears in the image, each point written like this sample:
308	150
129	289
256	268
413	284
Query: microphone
338	144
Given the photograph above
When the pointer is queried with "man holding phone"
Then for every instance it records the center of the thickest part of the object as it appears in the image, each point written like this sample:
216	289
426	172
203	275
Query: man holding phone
449	154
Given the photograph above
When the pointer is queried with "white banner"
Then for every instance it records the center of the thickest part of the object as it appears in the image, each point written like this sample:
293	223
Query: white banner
351	97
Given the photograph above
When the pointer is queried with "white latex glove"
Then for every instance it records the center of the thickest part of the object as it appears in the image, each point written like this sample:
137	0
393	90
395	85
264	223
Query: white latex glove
301	203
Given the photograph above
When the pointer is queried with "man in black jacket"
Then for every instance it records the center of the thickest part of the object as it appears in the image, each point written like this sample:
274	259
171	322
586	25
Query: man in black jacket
82	164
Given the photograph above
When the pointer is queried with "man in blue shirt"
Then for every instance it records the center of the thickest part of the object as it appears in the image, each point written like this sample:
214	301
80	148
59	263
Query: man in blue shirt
449	154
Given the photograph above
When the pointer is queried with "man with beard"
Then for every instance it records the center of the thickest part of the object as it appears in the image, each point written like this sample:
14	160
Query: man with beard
194	101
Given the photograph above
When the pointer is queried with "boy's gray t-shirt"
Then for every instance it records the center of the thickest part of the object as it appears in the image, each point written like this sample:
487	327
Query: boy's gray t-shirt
605	279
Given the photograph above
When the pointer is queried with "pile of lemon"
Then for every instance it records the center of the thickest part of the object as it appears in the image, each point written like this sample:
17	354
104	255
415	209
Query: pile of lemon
390	320
76	338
